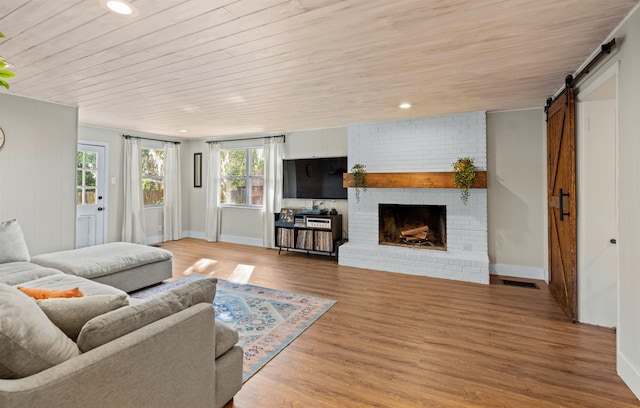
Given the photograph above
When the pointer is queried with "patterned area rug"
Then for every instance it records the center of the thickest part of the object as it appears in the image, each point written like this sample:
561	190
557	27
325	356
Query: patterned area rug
267	320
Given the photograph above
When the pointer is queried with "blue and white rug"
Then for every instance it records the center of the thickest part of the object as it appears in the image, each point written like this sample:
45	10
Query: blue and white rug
267	320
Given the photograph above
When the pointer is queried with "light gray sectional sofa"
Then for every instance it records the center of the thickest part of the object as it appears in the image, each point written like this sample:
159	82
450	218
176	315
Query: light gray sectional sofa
98	350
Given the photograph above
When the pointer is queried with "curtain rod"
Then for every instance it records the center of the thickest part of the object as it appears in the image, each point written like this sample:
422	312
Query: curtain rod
149	138
247	138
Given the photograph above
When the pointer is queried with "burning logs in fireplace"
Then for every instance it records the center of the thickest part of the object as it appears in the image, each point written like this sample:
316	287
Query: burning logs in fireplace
417	236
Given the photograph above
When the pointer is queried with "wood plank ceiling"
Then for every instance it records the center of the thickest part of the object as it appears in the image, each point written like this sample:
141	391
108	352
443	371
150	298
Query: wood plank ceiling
224	67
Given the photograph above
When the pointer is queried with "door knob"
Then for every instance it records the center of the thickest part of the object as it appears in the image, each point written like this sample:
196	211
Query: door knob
613	241
100	208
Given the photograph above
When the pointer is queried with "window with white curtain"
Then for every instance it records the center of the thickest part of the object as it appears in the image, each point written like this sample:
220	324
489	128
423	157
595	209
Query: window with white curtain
242	177
153	177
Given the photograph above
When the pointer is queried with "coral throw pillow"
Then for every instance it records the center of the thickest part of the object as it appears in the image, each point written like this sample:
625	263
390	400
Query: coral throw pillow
40	294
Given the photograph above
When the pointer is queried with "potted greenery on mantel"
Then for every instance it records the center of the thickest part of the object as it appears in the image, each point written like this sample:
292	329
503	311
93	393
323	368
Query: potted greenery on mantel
464	172
359	172
4	73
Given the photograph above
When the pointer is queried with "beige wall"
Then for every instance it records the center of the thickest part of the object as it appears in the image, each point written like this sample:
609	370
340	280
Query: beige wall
244	225
37	171
516	192
331	142
516	232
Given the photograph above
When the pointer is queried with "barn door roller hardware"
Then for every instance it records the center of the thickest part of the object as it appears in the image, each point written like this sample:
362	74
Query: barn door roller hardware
605	49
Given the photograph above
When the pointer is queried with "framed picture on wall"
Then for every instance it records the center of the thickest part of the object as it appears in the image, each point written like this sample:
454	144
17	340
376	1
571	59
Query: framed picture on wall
197	170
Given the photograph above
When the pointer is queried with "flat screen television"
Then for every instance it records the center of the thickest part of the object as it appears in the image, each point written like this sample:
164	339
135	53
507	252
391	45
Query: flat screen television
318	178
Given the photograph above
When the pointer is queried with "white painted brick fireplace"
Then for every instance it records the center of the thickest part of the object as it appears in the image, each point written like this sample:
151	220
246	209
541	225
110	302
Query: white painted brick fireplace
417	145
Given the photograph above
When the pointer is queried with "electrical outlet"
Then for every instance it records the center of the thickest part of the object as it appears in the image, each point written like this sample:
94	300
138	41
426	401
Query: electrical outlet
159	228
466	247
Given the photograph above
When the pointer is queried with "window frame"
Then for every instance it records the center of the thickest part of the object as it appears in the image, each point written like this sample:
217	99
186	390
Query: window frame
156	178
84	169
248	177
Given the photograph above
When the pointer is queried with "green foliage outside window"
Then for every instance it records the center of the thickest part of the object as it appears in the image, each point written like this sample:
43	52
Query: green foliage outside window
86	173
241	184
152	176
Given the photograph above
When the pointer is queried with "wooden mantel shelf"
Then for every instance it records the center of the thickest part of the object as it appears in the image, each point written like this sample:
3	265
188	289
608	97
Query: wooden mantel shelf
440	179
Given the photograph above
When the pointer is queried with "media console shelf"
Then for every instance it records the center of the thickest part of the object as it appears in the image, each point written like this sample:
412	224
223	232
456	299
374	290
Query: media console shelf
313	234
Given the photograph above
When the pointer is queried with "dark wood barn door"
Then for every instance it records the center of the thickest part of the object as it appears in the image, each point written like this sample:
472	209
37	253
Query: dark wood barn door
561	167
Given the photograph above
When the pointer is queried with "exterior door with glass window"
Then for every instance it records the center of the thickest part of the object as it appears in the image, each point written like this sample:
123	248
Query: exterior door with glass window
90	195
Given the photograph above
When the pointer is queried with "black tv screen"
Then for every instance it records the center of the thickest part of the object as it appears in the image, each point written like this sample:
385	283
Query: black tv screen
319	178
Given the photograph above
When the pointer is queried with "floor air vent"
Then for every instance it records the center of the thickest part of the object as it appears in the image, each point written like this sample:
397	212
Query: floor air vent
518	283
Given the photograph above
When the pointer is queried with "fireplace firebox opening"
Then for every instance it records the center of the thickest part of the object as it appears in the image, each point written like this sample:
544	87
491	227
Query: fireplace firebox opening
419	226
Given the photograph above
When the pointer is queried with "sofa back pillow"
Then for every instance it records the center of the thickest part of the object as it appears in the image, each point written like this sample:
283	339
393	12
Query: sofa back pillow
71	314
112	325
13	247
29	341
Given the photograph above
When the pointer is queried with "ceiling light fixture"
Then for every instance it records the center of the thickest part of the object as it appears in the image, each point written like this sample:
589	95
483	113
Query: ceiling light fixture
121	7
404	105
183	130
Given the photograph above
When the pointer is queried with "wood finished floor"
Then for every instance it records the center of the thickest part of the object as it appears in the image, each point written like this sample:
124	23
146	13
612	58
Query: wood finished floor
395	340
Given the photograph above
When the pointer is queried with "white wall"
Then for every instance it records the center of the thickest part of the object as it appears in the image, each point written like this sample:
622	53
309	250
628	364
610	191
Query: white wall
628	332
193	199
516	193
115	206
37	171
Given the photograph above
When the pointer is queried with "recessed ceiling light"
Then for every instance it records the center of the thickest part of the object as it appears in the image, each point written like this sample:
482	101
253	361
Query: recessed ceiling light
120	7
405	105
183	130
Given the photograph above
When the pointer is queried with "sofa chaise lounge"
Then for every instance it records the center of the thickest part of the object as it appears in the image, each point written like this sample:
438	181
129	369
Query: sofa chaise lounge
165	352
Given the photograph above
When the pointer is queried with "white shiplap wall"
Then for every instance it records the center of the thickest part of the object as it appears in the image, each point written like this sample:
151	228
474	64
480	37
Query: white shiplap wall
37	171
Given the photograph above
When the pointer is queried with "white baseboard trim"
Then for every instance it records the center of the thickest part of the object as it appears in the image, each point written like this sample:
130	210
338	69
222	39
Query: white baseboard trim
233	239
517	271
156	239
629	374
194	234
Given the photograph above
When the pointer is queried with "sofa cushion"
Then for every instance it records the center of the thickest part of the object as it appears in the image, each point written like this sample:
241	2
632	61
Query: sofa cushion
13	247
64	281
15	273
95	261
117	323
226	337
71	314
29	341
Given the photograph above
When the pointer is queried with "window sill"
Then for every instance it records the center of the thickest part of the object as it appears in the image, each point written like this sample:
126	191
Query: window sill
246	207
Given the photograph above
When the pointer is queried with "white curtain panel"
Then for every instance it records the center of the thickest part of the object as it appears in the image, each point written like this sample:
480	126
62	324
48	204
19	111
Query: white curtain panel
133	228
272	187
212	202
172	209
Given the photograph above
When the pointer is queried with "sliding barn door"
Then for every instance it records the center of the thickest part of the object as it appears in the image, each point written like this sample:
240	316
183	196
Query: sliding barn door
561	167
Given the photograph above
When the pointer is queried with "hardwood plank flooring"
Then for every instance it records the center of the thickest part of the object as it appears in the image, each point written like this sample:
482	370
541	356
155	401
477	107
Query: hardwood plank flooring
395	340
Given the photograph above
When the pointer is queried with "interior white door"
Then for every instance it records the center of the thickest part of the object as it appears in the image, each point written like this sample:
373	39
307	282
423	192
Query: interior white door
597	213
91	190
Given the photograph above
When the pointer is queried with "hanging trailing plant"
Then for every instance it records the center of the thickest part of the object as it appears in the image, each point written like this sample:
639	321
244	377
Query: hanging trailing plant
4	73
464	173
359	172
